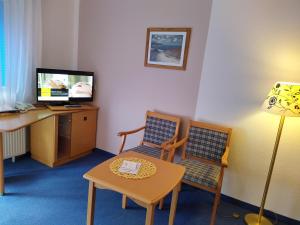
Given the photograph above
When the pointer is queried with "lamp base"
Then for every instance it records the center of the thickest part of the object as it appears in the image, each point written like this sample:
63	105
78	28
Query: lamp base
252	219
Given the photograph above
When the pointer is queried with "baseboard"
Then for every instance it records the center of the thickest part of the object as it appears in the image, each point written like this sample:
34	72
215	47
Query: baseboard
255	209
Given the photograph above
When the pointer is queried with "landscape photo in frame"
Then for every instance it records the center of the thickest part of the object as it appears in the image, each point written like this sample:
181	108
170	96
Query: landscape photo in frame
167	47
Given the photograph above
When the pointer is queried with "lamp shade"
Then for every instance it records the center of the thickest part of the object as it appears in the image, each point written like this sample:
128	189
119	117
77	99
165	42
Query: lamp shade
283	99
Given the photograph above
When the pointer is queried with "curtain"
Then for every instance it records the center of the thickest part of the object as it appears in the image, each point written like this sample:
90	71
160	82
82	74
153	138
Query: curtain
22	31
2	49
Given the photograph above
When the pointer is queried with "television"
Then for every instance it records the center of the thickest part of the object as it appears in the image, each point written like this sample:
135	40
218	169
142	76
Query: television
63	87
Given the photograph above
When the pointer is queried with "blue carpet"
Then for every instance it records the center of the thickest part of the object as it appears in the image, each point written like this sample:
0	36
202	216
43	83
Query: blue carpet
39	195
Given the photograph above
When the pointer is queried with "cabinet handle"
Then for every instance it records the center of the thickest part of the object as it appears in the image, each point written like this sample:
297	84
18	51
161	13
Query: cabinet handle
85	118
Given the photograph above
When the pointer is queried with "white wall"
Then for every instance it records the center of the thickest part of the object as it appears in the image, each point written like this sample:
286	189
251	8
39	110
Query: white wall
60	33
112	39
252	44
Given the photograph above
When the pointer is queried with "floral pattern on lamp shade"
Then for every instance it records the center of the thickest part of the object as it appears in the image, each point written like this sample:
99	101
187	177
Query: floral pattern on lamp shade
284	99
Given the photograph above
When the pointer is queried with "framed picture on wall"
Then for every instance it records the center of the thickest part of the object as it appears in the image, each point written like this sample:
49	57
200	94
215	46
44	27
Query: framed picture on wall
167	47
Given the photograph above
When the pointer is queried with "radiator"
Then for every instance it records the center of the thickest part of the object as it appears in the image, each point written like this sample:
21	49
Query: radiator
14	143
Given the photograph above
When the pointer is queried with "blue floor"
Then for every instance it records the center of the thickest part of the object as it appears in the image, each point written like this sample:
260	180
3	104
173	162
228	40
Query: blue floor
39	195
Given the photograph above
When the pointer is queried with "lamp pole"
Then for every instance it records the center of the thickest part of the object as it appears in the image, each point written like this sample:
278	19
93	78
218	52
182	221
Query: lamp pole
259	219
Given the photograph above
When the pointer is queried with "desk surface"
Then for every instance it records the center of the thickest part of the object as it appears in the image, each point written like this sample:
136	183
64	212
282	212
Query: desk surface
14	121
148	190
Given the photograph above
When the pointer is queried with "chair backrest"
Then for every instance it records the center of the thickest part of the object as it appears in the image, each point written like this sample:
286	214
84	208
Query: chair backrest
160	128
207	141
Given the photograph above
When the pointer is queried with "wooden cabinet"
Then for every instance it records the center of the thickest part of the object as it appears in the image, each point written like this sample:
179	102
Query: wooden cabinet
64	136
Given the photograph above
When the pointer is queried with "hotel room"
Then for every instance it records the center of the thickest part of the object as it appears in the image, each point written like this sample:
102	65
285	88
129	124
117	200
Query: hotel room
233	56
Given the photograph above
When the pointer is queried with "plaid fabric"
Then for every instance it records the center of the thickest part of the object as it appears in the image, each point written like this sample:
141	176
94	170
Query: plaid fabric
158	130
146	150
201	173
205	143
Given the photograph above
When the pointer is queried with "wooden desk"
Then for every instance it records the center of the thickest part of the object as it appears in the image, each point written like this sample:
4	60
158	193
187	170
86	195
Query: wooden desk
145	192
16	121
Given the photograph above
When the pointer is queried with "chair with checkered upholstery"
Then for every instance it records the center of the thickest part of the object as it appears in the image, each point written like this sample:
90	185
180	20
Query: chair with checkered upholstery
159	131
204	154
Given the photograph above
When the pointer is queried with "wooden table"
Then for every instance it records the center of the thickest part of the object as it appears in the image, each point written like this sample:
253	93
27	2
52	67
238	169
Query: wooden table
15	121
145	192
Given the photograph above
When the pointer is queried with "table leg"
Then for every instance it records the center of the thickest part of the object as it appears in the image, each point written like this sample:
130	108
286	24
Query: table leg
124	201
91	204
1	166
150	214
174	204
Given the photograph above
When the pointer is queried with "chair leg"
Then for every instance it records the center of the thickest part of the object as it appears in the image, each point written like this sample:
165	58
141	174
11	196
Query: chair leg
124	202
180	187
219	200
161	204
214	208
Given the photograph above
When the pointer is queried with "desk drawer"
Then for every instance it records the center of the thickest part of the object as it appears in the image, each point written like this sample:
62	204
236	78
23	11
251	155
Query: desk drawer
83	133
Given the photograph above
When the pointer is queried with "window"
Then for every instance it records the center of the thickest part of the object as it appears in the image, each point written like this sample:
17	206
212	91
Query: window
2	46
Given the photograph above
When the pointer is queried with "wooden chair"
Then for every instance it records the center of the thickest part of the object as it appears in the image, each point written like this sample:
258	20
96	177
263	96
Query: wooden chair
159	131
205	155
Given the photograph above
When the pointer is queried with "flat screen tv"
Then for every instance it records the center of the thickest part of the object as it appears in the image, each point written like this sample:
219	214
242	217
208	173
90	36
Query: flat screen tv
59	87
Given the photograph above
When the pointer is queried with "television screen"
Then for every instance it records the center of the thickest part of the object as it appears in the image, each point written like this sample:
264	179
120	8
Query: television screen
64	85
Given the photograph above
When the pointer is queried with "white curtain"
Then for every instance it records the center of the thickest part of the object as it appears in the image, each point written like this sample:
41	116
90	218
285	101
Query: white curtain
22	29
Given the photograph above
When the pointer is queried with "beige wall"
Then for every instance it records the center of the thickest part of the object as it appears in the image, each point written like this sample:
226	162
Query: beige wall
112	38
252	44
60	33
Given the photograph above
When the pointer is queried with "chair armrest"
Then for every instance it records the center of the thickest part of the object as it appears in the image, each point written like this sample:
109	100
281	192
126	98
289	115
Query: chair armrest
168	142
178	144
122	133
173	147
164	147
224	160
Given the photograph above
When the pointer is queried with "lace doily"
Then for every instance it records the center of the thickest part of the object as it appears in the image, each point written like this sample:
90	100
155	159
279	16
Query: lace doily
147	168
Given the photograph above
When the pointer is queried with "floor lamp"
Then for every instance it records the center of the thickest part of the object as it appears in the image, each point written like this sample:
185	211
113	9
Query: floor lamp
283	99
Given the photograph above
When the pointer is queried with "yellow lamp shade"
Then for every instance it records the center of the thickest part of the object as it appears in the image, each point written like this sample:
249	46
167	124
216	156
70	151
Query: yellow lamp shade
284	99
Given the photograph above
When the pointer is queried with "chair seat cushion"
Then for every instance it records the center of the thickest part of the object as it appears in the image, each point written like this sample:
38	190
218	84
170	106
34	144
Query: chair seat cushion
201	173
146	150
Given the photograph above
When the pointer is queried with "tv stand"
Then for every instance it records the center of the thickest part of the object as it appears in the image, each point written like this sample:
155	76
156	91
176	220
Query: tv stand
69	107
72	106
57	103
64	136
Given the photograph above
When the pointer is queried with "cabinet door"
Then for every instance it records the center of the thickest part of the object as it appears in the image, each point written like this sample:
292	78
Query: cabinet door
83	133
43	140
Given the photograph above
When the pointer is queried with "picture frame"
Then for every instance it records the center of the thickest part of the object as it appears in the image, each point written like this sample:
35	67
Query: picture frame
167	48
